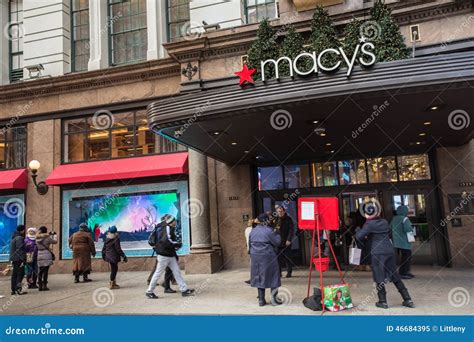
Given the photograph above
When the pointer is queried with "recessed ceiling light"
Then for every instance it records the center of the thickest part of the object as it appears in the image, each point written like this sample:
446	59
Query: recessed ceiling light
332	151
427	123
434	107
246	151
418	143
422	134
323	134
233	143
315	121
216	133
258	157
328	144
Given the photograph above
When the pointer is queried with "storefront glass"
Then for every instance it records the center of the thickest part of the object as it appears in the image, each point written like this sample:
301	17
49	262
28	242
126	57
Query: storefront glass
382	169
270	178
12	210
413	167
297	176
324	174
134	210
352	172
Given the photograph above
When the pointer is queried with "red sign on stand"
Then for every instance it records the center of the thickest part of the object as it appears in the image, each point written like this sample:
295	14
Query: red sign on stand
321	210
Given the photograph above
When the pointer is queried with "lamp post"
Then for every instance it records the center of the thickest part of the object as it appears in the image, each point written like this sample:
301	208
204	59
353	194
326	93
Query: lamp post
41	187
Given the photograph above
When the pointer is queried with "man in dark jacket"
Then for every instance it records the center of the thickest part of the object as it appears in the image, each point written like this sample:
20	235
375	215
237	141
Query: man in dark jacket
166	246
18	260
384	270
286	228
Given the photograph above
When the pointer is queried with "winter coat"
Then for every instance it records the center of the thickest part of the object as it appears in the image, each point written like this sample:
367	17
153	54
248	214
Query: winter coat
265	270
30	247
286	229
381	249
44	242
112	250
82	247
17	248
166	242
401	225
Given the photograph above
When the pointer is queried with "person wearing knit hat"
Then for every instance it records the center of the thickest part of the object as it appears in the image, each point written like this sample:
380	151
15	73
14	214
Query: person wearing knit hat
83	248
18	260
31	258
112	253
166	247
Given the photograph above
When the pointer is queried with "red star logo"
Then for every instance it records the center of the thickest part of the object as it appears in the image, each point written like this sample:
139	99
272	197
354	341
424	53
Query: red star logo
245	75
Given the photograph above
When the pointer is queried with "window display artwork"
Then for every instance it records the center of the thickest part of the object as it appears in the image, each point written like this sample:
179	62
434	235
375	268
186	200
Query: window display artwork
133	210
12	210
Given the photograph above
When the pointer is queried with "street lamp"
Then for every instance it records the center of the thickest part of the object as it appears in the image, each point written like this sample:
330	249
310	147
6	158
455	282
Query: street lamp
41	187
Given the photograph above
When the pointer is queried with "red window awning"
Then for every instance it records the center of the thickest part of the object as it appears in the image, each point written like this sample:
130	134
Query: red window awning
14	179
128	168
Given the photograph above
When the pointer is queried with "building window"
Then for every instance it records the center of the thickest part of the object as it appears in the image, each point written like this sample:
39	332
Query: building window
80	34
324	174
257	10
124	135
381	170
414	167
128	31
15	35
178	19
297	176
352	172
13	148
270	178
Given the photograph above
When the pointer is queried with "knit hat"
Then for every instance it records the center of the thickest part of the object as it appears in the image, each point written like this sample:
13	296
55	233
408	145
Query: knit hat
168	219
31	233
113	230
263	218
83	227
20	228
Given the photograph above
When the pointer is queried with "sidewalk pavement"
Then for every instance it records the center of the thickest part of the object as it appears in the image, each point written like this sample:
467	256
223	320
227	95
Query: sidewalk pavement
435	291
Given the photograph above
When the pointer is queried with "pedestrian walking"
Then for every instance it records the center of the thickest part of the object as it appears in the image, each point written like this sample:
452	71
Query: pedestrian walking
46	257
18	260
31	258
286	229
401	225
166	247
265	271
83	248
384	270
112	253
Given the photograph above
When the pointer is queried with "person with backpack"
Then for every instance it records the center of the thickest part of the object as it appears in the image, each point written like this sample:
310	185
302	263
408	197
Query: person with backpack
112	253
45	256
166	246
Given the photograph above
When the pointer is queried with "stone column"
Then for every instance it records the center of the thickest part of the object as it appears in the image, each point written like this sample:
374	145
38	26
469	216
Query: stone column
203	259
156	28
98	33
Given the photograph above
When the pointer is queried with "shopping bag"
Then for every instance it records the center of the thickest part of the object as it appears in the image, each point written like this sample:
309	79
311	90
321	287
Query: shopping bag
354	254
337	297
411	236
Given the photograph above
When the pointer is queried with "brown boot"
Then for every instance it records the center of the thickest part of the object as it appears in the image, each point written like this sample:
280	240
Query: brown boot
113	285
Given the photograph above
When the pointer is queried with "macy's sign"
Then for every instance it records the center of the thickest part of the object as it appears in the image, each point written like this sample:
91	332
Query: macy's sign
366	59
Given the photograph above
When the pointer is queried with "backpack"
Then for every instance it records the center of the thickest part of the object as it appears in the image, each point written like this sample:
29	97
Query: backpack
153	234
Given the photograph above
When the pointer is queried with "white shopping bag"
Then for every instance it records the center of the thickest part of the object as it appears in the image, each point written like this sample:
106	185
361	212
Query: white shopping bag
410	235
354	254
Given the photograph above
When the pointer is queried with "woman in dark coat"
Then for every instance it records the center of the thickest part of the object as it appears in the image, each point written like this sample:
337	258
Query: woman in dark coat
384	270
265	270
112	253
82	247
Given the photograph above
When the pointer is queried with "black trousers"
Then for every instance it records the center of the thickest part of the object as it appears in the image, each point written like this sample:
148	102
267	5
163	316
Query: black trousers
43	275
168	275
405	261
113	270
284	259
18	273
